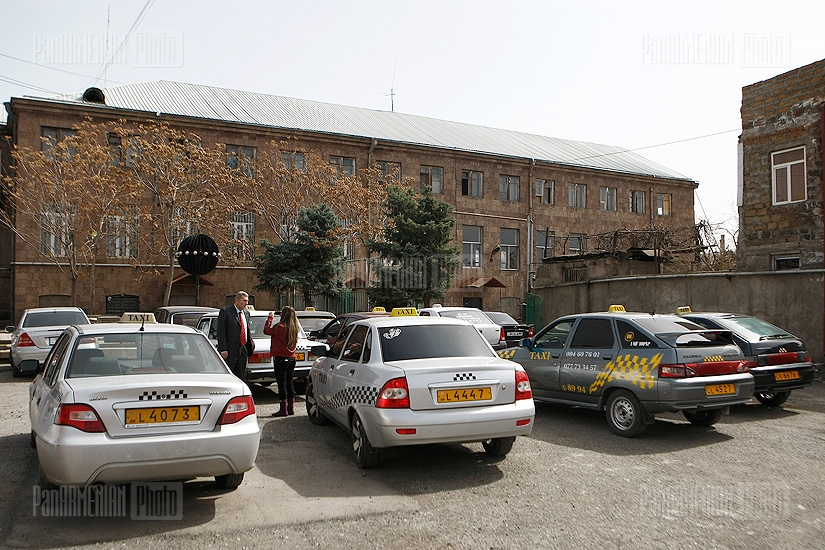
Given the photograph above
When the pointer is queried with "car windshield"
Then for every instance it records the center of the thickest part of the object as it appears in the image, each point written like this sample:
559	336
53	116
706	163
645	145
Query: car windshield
142	353
428	341
474	317
753	329
256	327
313	323
190	318
501	318
54	319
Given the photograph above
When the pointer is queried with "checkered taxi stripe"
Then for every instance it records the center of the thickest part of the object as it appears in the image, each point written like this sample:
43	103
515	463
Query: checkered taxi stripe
155	396
507	353
362	395
640	371
461	376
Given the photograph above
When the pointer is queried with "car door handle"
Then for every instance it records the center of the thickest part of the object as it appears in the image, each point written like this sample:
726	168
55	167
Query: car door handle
608	356
555	355
38	401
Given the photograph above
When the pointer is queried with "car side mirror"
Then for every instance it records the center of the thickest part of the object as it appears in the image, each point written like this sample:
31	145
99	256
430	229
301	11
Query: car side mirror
526	343
319	351
29	366
313	334
9	328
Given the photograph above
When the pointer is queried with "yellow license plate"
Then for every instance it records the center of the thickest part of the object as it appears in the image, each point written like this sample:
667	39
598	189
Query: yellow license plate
300	356
466	394
162	415
787	375
720	389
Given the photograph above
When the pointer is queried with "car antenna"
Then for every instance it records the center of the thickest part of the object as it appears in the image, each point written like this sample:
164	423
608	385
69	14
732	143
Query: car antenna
142	322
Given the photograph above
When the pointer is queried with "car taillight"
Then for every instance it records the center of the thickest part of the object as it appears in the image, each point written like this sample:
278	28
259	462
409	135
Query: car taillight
79	416
708	368
676	371
237	409
502	336
24	340
782	358
530	332
523	389
260	358
394	394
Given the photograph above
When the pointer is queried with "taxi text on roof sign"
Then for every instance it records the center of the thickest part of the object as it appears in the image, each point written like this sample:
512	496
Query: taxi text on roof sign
379	309
682	310
309	308
137	317
616	309
404	312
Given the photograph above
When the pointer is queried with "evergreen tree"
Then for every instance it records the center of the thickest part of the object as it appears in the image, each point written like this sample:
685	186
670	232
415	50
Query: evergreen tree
415	263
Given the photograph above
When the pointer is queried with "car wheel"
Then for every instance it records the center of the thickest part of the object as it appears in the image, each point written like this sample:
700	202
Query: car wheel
624	414
499	446
772	399
703	418
228	481
365	456
313	410
15	372
33	440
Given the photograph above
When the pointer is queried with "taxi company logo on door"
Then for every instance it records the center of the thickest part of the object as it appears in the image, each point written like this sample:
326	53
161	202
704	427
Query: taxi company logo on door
160	501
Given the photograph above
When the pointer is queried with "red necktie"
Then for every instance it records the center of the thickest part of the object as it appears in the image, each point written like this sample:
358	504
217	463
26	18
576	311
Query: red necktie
243	329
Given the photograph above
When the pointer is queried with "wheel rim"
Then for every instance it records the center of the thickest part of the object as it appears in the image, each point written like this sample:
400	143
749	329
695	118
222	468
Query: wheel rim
312	404
357	437
622	413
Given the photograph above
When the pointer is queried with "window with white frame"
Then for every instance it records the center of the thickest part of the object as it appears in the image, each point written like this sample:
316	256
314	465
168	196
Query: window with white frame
344	166
472	183
390	171
637	202
432	177
183	225
509	248
294	161
349	244
241	235
607	198
471	237
781	263
545	244
240	157
576	243
54	230
546	189
788	169
577	195
663	201
508	188
122	233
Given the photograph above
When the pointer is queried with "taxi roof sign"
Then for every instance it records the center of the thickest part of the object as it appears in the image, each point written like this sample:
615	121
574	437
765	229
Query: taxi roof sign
616	308
309	308
404	312
683	309
137	317
379	309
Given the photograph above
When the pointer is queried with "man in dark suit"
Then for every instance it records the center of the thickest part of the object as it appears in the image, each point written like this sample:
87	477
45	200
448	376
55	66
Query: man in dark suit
234	339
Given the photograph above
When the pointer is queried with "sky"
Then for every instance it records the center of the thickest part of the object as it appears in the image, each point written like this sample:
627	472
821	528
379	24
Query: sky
663	79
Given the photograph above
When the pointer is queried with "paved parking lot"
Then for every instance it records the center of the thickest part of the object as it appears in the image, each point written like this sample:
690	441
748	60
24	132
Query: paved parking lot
755	480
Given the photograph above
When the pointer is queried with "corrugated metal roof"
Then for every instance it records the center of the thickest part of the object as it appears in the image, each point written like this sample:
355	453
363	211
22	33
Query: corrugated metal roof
207	102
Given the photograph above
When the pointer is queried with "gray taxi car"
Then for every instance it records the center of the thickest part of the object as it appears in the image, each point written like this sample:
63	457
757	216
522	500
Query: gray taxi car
635	365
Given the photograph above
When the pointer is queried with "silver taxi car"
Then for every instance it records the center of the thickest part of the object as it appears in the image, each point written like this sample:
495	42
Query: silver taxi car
634	365
410	380
122	402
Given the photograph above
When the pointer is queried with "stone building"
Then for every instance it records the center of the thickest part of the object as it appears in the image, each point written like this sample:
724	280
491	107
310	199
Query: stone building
780	212
517	197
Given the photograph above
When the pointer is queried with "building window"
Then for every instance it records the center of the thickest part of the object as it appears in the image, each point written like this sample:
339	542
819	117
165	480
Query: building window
471	183
239	157
241	235
663	204
390	171
432	177
607	198
122	234
345	166
117	155
52	136
294	161
508	188
545	243
637	202
54	230
782	263
576	243
546	189
471	247
348	243
509	248
577	195
789	176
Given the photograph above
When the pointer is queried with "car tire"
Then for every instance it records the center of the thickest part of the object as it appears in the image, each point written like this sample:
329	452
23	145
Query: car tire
365	455
498	446
772	399
33	440
228	481
15	372
313	410
703	418
624	414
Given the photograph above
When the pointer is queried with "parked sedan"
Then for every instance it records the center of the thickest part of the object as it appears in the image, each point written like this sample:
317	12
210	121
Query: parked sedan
777	359
512	332
182	315
311	319
408	380
37	331
635	365
122	402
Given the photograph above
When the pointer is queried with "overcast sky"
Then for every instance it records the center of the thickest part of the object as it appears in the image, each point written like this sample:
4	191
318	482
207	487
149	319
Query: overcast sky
662	80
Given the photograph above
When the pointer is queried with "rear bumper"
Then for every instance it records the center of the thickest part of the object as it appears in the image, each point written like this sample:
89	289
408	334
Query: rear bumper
765	378
688	394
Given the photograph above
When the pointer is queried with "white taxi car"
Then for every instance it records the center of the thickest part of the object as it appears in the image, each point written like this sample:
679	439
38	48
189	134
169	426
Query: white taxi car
409	380
122	402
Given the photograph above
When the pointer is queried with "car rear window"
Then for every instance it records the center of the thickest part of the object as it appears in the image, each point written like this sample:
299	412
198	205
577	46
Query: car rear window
429	341
501	318
679	332
143	353
753	329
474	317
54	319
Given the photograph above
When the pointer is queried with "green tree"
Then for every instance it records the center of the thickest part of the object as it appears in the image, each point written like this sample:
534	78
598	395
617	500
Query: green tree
312	262
415	263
